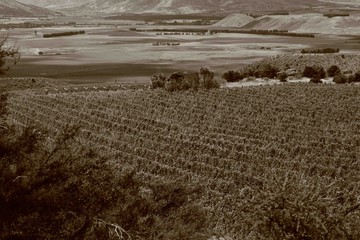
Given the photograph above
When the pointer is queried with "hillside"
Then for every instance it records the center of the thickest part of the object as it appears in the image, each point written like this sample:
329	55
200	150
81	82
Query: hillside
235	20
171	6
304	23
346	62
13	8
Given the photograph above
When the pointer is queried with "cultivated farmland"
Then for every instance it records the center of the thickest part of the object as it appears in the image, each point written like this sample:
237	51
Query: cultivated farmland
274	160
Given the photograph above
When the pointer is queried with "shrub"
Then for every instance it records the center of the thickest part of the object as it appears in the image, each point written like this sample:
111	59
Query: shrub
315	79
62	190
266	71
340	79
309	72
6	54
314	72
354	78
283	76
158	81
333	71
232	76
288	207
182	81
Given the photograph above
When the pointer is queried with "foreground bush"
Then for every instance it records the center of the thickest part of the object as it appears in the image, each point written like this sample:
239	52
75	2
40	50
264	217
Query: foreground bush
7	54
288	207
62	190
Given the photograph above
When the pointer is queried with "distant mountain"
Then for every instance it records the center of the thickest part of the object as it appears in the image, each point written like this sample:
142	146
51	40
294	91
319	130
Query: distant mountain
13	8
171	6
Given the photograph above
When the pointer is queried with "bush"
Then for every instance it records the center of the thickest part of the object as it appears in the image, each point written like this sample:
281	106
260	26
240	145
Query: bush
316	79
333	71
6	54
309	72
158	81
266	71
62	190
208	79
288	207
232	76
314	72
354	78
283	76
182	81
340	79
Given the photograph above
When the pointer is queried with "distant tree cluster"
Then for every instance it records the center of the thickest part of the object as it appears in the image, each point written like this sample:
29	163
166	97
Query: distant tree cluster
63	34
276	32
26	25
316	73
182	81
260	71
320	50
279	13
342	78
331	15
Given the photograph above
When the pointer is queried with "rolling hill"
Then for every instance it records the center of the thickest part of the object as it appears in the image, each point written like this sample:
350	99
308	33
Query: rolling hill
171	6
302	23
14	8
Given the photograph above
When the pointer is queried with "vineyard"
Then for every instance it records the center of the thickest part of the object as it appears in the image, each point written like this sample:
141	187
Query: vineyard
293	149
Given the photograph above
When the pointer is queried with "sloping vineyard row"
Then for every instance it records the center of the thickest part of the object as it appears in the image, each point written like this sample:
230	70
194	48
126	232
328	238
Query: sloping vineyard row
101	119
228	139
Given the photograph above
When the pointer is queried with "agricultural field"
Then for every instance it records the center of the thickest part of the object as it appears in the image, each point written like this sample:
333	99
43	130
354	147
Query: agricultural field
273	160
115	54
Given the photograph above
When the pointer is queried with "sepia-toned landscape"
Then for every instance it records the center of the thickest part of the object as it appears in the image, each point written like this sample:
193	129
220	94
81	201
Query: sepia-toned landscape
154	119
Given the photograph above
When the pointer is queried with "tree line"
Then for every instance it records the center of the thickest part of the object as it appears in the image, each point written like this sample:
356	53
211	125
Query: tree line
62	34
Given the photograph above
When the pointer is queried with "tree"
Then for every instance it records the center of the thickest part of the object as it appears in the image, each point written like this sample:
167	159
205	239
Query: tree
315	79
354	77
314	72
207	74
268	71
340	79
7	53
333	71
208	78
158	81
232	76
309	72
283	76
